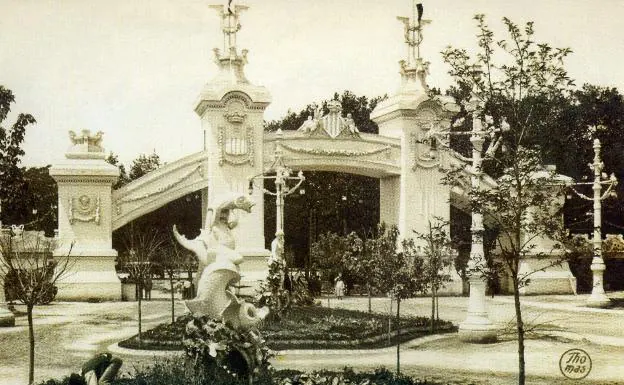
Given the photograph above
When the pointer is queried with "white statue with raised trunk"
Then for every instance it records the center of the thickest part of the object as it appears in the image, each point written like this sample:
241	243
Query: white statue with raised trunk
219	261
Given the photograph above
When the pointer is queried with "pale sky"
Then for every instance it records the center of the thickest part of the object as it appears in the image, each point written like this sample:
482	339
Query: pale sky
134	68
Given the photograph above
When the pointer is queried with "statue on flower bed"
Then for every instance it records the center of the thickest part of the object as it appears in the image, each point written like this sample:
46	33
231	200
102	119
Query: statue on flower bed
222	334
215	248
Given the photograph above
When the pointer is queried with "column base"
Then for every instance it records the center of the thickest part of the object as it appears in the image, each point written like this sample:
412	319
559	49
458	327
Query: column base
598	301
90	279
253	270
555	279
7	318
477	332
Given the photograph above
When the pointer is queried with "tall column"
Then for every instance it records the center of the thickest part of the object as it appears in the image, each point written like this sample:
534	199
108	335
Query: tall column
418	196
6	316
84	182
232	116
477	327
545	260
598	298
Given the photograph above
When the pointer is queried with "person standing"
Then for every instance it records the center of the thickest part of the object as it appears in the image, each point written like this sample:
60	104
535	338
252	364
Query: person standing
340	286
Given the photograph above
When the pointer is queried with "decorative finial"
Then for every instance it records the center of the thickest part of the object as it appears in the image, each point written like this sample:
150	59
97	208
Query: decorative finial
230	24
229	61
413	32
414	70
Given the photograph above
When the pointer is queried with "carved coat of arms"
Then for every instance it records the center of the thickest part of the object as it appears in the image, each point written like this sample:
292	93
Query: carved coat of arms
333	124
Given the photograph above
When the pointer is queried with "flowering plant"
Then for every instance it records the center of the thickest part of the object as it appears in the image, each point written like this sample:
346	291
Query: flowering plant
212	345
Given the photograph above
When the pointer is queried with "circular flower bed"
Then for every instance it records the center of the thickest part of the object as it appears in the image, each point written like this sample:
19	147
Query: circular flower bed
308	328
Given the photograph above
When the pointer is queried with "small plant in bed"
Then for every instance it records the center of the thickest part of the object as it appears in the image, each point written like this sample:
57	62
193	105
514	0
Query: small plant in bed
174	372
308	327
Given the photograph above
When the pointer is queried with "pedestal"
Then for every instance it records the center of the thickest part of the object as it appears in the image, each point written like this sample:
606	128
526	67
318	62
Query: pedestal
90	278
253	270
477	328
557	279
598	298
7	319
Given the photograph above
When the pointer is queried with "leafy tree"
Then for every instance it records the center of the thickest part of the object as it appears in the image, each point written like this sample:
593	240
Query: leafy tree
143	164
11	152
123	175
360	108
399	271
517	98
26	259
363	264
331	254
438	256
142	248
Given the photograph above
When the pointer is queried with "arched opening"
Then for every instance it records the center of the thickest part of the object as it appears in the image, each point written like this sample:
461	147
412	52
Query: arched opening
328	202
184	212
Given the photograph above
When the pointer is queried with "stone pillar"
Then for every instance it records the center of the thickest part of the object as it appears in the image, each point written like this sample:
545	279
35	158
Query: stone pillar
550	274
7	318
389	195
232	117
84	181
417	197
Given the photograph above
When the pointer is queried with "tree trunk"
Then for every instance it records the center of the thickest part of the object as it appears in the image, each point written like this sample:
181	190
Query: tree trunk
520	327
172	300
390	322
437	299
139	302
398	351
31	340
370	294
432	308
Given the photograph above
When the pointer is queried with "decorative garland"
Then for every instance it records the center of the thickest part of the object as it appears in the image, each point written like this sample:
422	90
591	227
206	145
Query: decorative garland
160	190
321	151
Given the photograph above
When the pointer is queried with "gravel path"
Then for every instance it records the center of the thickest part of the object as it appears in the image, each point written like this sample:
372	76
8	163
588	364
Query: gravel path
67	333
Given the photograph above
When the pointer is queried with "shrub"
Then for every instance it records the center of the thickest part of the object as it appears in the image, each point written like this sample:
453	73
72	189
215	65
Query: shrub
215	349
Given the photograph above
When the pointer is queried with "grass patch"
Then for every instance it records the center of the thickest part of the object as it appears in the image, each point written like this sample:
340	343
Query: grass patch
309	328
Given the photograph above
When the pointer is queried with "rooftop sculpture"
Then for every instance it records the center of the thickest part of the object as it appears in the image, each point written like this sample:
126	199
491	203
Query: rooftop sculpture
333	124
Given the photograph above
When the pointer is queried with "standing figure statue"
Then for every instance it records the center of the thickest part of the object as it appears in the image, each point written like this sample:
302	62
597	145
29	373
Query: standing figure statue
215	248
277	247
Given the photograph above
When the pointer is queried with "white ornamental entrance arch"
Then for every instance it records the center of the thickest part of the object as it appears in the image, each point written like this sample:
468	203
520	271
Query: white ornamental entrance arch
236	148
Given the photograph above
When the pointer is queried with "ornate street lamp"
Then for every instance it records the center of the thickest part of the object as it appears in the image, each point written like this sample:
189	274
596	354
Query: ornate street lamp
476	327
598	298
283	176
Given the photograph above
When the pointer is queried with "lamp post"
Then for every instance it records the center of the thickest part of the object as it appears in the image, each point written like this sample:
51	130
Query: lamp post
598	298
476	327
283	175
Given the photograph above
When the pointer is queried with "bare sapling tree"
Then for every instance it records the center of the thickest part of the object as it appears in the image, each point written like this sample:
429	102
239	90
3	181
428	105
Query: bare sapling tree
142	246
437	255
172	259
400	272
28	261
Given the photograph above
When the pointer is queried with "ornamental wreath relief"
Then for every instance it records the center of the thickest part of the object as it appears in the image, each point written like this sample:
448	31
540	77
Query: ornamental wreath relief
85	209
